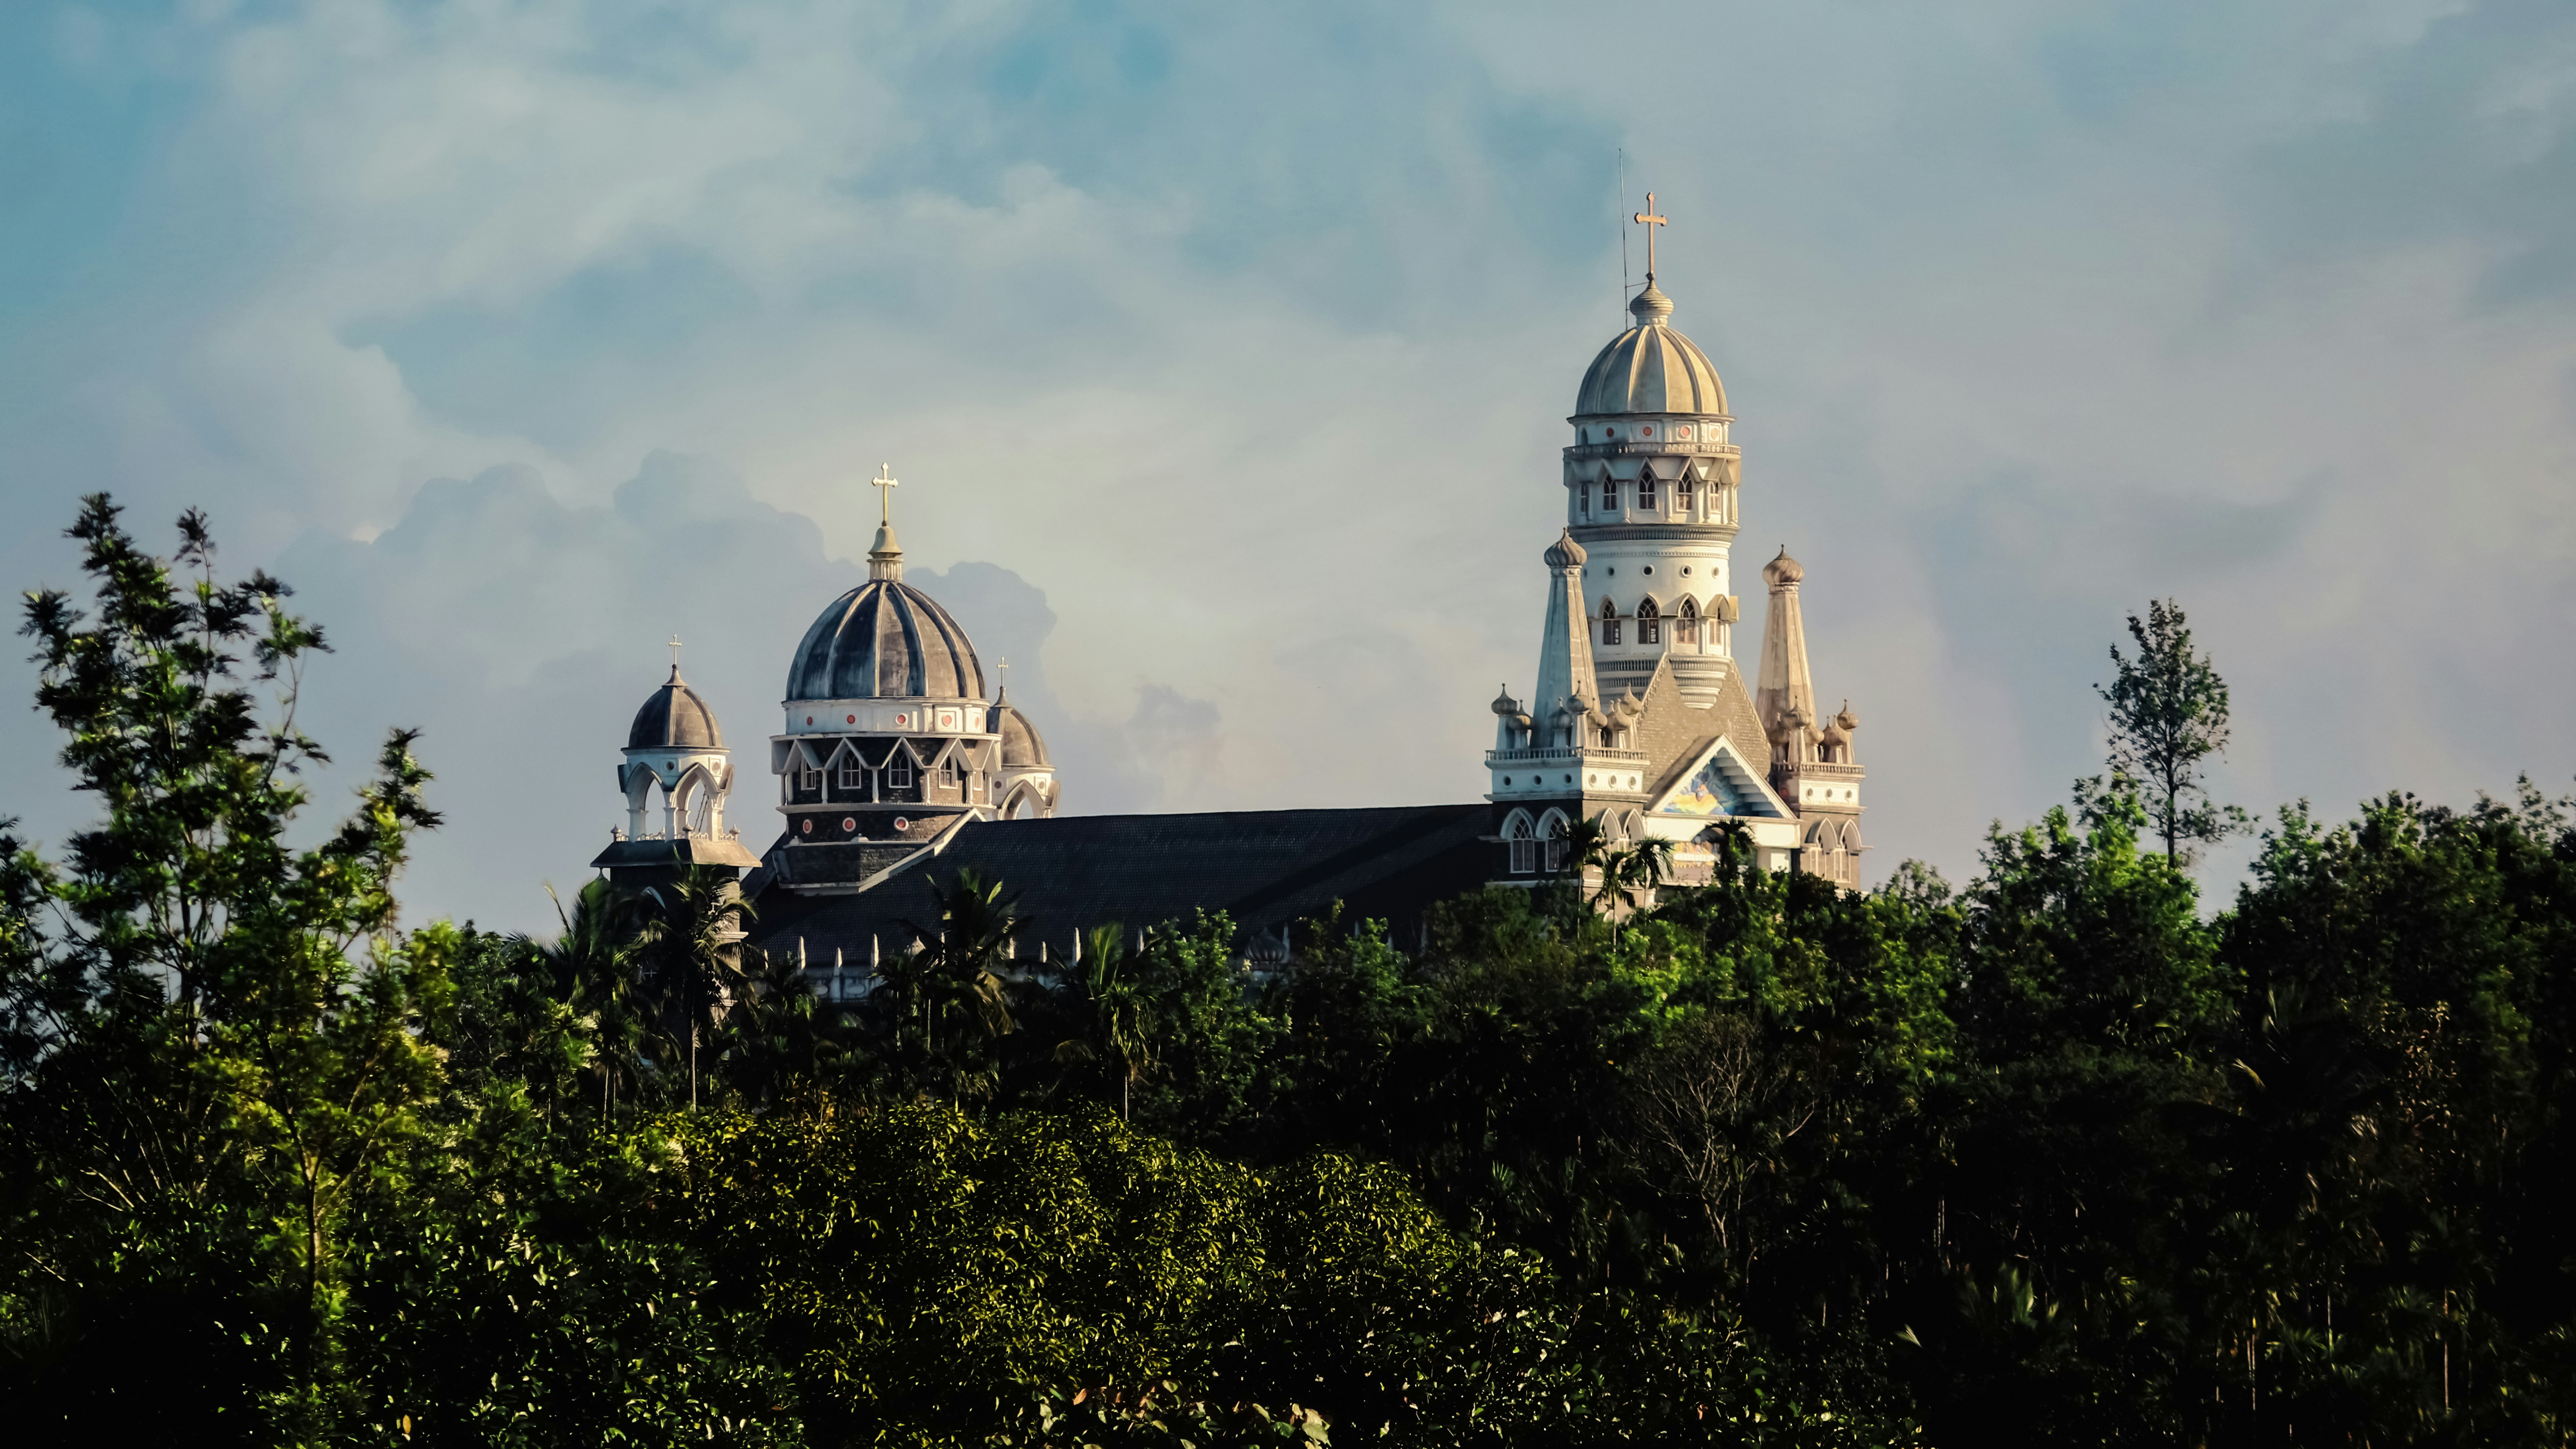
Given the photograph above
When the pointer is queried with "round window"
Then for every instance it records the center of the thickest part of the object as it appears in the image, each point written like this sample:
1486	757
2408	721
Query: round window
849	822
902	824
805	826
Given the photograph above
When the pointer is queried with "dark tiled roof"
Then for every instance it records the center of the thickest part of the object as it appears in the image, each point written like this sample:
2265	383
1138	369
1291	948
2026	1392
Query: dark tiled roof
1266	868
688	850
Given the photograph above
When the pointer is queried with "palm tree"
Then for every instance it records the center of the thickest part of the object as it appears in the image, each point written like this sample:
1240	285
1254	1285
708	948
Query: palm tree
691	945
1114	1005
590	970
951	984
1632	871
779	1034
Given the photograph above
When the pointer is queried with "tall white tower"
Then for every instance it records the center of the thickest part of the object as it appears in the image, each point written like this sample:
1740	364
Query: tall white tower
1650	493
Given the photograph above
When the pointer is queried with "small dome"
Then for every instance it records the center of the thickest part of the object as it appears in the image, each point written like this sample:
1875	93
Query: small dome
885	639
1847	721
1022	748
1565	553
675	719
1783	570
1650	368
1505	705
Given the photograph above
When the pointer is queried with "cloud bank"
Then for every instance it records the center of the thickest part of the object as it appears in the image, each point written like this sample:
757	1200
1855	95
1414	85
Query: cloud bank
1224	355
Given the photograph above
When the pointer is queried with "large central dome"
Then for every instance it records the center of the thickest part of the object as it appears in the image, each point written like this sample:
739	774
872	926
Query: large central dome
885	640
1650	368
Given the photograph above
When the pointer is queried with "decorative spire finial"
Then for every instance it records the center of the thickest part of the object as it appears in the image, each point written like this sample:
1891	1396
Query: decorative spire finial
1650	221
885	480
885	556
675	657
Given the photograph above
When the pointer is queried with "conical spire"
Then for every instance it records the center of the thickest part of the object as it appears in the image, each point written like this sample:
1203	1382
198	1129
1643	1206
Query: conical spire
1788	689
1565	644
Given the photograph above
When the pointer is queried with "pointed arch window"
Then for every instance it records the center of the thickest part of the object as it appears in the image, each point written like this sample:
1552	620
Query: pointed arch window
1684	493
1646	502
1609	622
899	771
1650	622
1686	628
809	780
1556	841
1524	846
854	776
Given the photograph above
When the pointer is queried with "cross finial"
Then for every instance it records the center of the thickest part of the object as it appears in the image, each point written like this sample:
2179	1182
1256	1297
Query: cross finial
884	480
675	654
1650	221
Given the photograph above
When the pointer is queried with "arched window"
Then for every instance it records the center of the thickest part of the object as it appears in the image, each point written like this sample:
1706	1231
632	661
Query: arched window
899	771
853	774
1686	628
1524	845
809	780
1556	831
1682	493
1650	622
1646	491
1609	622
1583	494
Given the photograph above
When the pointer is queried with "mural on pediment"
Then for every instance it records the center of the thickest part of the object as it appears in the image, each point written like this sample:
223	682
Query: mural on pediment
1707	793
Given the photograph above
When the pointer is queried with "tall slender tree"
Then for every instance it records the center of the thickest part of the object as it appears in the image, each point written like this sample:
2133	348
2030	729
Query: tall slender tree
2168	715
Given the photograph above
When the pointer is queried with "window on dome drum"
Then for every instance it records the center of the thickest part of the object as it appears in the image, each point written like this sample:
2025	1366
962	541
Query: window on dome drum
899	773
1686	628
1524	848
1645	493
1650	626
1609	622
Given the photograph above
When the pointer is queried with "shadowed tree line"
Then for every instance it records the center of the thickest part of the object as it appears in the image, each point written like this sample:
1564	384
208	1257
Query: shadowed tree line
2049	1157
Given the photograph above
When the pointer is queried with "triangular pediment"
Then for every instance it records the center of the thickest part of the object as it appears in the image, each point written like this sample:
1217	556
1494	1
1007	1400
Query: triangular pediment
1720	783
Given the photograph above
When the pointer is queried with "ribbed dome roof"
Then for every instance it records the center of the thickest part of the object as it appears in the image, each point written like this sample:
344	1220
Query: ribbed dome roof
1650	368
885	640
675	719
1022	748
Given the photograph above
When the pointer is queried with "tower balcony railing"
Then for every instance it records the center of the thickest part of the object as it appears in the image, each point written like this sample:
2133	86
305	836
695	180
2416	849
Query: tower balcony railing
1567	753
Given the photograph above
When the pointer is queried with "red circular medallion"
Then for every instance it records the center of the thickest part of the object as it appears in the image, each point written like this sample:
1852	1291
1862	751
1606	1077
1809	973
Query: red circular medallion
851	719
849	822
805	826
902	824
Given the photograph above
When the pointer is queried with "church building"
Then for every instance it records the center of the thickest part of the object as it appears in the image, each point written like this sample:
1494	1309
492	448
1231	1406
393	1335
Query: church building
897	765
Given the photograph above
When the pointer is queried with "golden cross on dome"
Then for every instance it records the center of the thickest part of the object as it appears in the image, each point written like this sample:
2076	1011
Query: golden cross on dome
884	480
1650	221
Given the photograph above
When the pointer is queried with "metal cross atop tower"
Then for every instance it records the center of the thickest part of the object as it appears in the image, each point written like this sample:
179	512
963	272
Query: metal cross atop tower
1650	221
885	479
675	654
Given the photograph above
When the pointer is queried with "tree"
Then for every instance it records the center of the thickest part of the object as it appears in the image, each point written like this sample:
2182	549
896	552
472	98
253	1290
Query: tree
691	947
2168	714
237	1048
949	989
1113	1009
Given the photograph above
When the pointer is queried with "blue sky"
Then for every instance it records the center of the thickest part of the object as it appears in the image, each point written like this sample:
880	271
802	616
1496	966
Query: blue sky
1224	352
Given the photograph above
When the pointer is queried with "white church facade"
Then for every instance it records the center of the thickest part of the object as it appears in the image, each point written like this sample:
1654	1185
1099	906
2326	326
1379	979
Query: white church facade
894	767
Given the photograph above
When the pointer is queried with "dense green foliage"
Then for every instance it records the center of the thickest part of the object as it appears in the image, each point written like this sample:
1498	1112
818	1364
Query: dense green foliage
2050	1158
